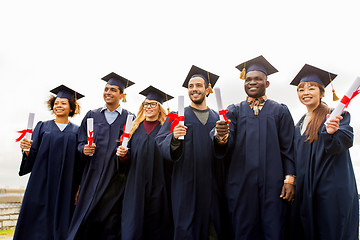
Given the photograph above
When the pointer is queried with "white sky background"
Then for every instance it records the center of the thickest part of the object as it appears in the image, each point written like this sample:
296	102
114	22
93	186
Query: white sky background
45	43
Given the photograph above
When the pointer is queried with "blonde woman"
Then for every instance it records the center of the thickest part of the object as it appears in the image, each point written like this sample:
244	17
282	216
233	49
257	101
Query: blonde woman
52	160
146	210
326	200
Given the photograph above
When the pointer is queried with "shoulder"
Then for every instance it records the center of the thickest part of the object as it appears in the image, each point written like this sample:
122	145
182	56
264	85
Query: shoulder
73	126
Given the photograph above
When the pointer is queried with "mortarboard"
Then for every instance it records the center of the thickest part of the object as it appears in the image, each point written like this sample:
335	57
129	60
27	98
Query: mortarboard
256	64
117	80
208	77
63	91
153	93
310	73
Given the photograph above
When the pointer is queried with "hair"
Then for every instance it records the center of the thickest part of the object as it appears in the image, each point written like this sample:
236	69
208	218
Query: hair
140	117
74	106
318	116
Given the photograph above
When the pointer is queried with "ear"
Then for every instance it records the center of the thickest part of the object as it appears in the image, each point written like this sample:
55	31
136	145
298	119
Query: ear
267	83
207	91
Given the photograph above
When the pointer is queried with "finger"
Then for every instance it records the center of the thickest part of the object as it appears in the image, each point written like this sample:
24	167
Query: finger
282	192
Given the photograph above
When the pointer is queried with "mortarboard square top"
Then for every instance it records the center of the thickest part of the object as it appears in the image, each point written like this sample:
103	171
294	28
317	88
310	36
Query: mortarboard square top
198	72
117	80
63	91
310	73
153	93
256	64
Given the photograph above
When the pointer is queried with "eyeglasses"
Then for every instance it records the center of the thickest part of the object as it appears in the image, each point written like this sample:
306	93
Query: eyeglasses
151	104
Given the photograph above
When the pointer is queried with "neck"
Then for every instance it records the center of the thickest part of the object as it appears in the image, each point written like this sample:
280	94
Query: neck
312	108
201	106
112	107
151	119
63	120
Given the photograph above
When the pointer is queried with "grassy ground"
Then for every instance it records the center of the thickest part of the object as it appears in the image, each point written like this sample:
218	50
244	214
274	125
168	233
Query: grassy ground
6	233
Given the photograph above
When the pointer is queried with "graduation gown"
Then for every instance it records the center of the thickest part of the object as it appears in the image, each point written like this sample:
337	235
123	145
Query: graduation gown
194	190
98	211
49	197
146	208
326	200
260	151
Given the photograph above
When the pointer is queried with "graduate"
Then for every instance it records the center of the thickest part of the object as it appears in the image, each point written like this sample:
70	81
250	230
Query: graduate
49	198
98	211
146	208
326	204
258	142
195	192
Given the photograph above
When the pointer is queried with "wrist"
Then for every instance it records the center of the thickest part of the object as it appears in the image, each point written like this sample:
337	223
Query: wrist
291	179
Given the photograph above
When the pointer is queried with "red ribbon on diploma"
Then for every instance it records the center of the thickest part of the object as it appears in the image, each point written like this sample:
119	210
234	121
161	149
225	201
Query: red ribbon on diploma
91	138
223	112
176	118
345	100
23	133
124	134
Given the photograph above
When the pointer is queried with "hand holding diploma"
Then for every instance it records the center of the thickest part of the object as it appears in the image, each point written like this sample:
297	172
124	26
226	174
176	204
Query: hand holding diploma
350	94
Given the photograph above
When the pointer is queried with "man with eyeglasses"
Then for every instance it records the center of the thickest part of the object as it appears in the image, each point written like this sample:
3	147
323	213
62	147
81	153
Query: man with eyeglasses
196	186
98	209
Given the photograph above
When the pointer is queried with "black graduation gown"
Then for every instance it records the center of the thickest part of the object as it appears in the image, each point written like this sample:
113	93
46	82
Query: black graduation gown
194	190
49	197
326	202
146	209
260	151
98	211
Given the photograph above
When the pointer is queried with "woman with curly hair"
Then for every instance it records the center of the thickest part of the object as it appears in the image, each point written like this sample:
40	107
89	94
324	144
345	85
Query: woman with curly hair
146	210
52	160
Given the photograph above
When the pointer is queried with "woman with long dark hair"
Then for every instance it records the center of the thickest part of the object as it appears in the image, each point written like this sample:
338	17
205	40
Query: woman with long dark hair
326	203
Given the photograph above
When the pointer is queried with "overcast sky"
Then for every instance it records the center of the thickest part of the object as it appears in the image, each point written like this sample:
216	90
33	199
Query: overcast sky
45	43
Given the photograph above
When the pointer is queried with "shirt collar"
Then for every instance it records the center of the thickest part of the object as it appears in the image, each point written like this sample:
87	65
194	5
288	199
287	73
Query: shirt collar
260	99
119	109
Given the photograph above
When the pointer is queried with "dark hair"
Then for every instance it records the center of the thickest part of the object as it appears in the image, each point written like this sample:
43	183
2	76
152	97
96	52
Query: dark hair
318	116
74	107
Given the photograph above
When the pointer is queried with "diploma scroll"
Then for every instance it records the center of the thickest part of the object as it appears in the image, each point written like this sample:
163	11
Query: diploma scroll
29	128
350	94
90	130
181	111
219	102
127	131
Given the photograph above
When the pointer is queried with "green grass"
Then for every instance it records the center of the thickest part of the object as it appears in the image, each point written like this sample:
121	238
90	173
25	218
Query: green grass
6	233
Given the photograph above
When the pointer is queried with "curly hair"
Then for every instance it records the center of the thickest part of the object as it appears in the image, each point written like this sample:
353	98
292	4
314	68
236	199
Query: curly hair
74	106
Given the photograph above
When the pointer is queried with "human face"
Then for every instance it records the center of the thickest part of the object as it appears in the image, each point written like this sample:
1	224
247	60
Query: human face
151	109
197	90
255	84
112	95
61	107
309	95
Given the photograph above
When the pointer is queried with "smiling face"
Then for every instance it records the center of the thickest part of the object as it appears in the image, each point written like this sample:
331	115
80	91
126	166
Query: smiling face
197	90
151	109
61	107
310	94
255	84
112	95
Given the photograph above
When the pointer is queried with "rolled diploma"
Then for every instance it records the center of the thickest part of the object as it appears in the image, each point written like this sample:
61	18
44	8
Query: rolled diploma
219	102
90	128
181	111
340	107
127	130
29	126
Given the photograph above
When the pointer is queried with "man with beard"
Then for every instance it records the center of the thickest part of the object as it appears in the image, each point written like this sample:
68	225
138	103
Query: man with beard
259	145
196	184
98	210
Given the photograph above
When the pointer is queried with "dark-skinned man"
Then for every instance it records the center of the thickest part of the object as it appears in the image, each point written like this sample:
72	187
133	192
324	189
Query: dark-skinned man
258	144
